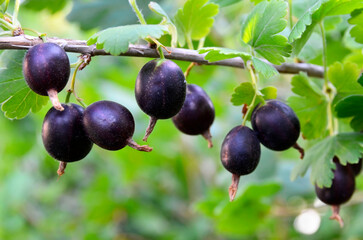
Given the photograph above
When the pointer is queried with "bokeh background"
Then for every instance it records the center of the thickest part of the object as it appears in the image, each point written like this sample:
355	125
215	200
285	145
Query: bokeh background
180	189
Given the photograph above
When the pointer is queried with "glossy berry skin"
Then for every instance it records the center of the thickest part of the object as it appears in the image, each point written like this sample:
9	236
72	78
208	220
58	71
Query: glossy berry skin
356	167
197	113
63	134
342	188
160	88
240	153
276	124
46	67
109	124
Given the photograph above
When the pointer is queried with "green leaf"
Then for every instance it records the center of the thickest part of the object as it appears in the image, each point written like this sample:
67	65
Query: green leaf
261	28
308	104
16	97
156	8
52	5
225	3
351	106
357	19
244	93
195	19
262	67
217	54
116	40
303	29
344	78
348	147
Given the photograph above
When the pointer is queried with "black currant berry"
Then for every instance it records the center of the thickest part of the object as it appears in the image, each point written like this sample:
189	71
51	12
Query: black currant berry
160	90
197	113
111	126
64	136
240	154
340	191
46	70
356	167
276	124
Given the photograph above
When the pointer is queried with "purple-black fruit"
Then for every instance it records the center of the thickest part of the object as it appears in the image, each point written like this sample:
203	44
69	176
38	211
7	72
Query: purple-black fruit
340	191
197	113
276	124
160	90
240	154
111	126
46	70
64	136
356	167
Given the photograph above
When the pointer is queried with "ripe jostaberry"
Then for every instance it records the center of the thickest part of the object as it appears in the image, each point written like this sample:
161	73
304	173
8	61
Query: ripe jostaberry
46	70
64	136
111	126
160	91
240	154
340	191
276	124
197	113
356	167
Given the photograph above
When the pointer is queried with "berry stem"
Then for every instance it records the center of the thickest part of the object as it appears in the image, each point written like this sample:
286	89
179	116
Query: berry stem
15	13
137	11
233	187
336	216
187	72
134	145
300	149
150	128
61	168
254	84
208	137
327	89
53	95
79	65
7	25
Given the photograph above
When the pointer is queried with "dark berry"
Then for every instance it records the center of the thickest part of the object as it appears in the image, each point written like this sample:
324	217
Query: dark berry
197	113
276	124
160	90
63	134
240	154
356	167
111	126
341	190
46	70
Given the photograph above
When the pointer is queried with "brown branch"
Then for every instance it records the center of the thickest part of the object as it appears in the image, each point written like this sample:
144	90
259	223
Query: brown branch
80	46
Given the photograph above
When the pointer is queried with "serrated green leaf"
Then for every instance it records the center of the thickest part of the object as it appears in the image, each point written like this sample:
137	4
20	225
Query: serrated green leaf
116	40
261	28
16	97
156	8
308	104
264	68
52	5
348	147
357	19
225	3
303	29
269	92
344	78
195	19
351	106
216	54
243	94
360	80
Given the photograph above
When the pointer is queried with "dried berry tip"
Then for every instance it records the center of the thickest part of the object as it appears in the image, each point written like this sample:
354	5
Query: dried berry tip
133	144
336	216
53	95
208	137
300	149
150	128
233	187
61	168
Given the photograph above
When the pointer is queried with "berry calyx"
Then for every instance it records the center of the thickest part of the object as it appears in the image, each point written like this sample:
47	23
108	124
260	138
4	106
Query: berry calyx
197	113
46	70
160	91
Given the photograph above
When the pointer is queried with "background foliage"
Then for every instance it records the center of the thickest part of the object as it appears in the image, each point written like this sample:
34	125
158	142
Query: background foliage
178	191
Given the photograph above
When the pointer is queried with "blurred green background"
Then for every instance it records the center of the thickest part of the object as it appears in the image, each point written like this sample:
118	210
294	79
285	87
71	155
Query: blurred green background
180	189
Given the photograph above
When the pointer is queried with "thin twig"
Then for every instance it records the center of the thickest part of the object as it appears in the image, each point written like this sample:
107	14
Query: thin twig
80	46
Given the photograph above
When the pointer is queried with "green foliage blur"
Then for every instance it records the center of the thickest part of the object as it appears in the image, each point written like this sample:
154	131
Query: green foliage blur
180	189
